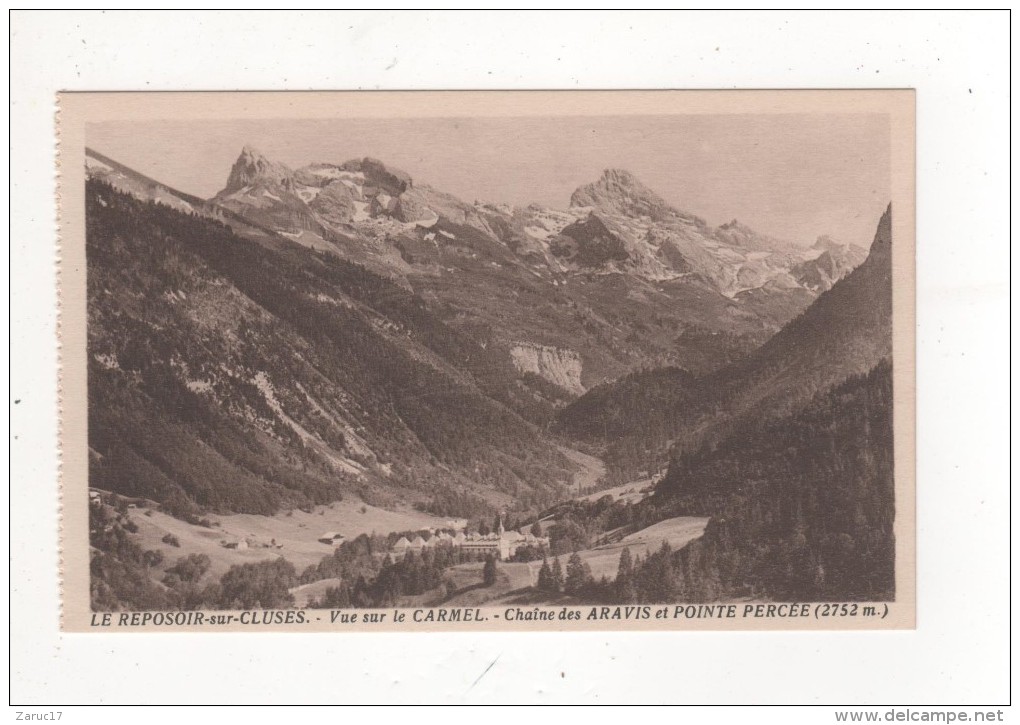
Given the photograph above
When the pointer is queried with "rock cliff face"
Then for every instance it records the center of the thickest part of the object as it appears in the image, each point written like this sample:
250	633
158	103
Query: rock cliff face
387	179
589	243
557	366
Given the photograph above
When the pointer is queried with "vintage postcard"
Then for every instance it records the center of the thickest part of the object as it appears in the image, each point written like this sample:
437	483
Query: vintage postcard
437	361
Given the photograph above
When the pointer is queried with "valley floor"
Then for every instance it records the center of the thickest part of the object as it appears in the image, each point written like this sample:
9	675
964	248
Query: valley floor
296	536
292	535
515	581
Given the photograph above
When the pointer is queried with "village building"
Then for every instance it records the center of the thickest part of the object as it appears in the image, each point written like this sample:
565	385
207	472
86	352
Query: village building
501	543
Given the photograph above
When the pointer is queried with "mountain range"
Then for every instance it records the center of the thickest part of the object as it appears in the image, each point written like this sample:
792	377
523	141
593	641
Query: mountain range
341	327
613	225
614	280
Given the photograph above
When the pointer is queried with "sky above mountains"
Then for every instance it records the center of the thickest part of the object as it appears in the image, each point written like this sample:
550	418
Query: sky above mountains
793	176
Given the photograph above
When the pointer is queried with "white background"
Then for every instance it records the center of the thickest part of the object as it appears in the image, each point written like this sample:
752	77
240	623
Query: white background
959	64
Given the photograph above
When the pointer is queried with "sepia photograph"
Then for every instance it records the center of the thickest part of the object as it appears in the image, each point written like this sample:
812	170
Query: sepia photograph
509	357
497	369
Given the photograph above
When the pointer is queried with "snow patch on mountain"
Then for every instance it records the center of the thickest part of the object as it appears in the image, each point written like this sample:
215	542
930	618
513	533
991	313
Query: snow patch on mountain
361	211
538	232
308	193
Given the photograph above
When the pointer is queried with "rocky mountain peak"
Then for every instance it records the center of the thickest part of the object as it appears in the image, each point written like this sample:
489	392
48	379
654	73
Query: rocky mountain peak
881	248
845	249
253	167
620	176
618	191
825	242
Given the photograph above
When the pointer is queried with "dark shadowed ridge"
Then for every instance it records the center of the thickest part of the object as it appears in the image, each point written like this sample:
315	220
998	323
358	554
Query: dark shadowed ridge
846	331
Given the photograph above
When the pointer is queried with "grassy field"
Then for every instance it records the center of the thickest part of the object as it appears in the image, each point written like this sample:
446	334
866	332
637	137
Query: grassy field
295	533
605	560
632	492
510	577
306	592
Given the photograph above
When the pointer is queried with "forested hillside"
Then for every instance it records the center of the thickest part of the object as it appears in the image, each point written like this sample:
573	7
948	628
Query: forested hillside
625	416
802	507
229	376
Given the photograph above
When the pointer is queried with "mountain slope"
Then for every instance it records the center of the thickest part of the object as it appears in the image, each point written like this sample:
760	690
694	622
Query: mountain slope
129	181
846	331
227	376
802	505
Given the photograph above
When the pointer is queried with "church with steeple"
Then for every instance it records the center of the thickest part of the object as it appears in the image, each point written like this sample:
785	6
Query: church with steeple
501	543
